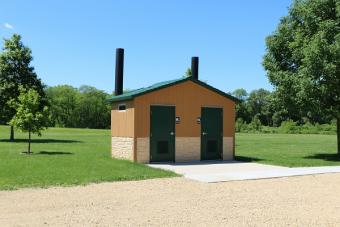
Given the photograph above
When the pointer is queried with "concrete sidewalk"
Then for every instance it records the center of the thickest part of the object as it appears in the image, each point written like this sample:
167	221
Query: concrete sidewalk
232	170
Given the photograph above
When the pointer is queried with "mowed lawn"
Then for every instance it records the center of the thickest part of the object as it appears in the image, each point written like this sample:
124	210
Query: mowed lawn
65	157
81	156
291	150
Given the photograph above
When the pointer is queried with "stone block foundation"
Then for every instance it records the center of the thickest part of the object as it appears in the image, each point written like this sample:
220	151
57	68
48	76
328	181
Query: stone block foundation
122	147
143	150
187	149
228	148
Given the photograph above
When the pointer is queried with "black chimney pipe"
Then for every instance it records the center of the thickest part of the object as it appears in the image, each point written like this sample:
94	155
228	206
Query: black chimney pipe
119	71
194	67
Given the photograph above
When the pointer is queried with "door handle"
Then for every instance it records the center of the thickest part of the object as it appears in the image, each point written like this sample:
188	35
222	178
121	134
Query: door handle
172	133
204	133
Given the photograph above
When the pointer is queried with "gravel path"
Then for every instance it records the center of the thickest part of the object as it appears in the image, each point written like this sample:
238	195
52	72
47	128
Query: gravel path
296	201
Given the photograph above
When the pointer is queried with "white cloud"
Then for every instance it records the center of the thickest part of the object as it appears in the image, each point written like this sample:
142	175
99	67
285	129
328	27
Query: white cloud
7	25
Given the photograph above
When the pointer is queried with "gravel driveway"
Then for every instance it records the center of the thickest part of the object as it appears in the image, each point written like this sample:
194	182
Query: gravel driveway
312	200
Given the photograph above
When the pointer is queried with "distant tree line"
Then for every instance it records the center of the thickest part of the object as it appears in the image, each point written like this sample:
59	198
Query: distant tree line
84	107
263	108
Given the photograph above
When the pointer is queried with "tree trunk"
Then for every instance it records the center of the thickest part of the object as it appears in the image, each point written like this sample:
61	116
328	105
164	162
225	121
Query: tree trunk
29	142
338	134
12	134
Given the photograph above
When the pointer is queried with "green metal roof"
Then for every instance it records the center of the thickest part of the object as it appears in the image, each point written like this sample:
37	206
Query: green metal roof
131	94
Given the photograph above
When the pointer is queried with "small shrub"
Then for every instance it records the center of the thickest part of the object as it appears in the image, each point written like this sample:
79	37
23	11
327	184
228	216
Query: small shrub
289	127
239	124
308	128
255	125
269	130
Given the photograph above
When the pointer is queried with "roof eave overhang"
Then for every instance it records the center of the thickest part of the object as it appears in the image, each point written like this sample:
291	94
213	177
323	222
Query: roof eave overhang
113	100
230	97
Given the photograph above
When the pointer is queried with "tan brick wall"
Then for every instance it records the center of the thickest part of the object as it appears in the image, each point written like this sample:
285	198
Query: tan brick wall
228	146
143	150
188	149
122	147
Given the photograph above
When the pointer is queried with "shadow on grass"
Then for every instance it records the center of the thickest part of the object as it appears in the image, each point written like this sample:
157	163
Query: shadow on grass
40	141
247	159
323	156
48	153
53	153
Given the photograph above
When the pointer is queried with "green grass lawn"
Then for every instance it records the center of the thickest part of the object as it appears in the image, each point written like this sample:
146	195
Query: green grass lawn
80	156
65	157
292	150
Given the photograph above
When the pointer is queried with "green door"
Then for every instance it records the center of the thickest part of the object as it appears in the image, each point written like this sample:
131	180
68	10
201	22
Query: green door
211	133
162	134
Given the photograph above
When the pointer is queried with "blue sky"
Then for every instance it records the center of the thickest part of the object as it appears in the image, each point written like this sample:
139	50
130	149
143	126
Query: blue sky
73	42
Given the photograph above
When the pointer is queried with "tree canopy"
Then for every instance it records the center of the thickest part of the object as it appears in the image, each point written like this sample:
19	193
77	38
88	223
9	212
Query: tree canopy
303	60
15	71
29	117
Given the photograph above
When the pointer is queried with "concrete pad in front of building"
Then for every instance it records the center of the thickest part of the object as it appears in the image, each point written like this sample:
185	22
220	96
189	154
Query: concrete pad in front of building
219	171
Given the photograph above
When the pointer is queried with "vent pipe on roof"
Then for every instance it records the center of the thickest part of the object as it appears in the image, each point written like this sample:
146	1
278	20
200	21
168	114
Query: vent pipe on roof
194	67
119	71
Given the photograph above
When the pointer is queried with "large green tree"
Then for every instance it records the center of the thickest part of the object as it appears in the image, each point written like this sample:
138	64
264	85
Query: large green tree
303	59
16	70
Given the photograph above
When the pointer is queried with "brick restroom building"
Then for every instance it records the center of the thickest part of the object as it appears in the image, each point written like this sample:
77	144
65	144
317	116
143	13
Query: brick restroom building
179	120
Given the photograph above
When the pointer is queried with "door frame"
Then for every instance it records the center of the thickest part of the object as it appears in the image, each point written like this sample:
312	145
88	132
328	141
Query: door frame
222	132
174	142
